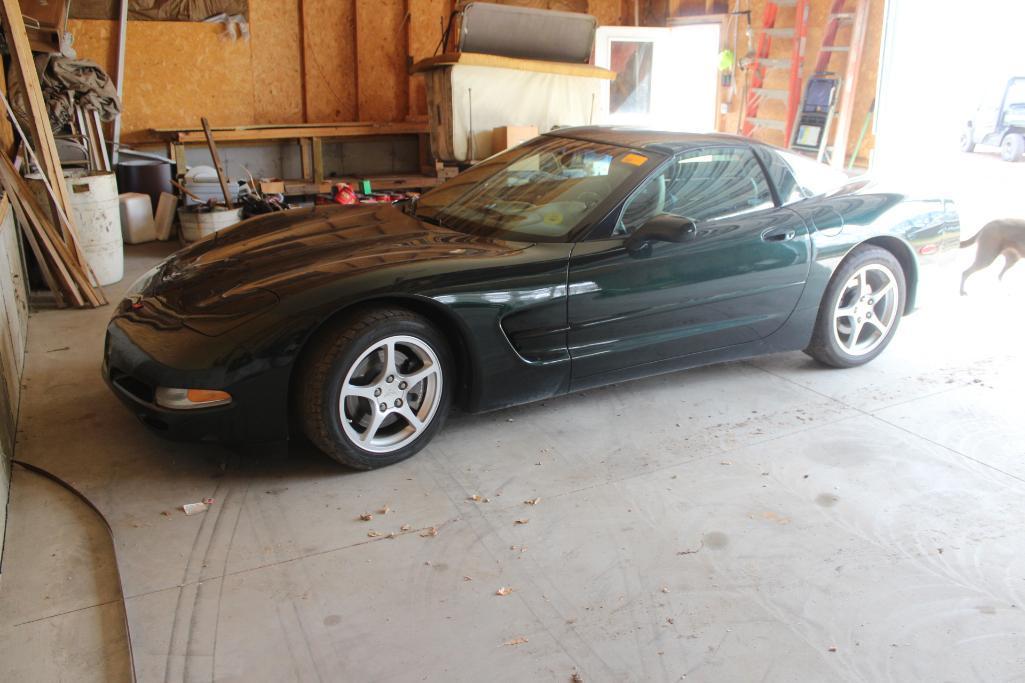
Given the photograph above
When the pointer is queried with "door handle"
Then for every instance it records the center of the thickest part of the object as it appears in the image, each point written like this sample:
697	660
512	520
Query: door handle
779	235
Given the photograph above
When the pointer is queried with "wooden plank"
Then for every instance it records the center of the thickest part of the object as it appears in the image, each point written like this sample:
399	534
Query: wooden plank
218	164
181	166
39	122
396	182
52	252
497	61
6	132
257	134
317	156
306	157
119	76
263	126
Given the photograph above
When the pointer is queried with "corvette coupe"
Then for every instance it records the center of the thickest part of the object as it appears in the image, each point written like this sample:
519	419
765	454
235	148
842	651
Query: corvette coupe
583	257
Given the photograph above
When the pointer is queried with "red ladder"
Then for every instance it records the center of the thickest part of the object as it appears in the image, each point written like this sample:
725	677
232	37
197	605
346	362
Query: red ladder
857	19
763	62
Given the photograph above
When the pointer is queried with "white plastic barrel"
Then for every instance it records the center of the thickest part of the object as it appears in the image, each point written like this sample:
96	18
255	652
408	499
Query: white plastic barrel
97	218
198	224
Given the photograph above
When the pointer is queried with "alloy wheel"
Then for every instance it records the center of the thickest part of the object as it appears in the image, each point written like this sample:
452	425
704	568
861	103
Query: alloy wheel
866	310
391	394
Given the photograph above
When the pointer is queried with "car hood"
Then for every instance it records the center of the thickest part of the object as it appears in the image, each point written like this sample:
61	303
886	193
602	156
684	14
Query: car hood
268	257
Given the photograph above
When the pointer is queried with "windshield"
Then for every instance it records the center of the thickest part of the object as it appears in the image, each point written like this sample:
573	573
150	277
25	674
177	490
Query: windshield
1016	93
814	178
546	190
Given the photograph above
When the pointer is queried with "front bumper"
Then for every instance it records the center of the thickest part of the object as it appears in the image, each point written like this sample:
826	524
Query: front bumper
258	411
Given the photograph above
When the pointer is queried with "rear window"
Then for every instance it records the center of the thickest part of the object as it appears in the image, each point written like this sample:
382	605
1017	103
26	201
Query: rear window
813	178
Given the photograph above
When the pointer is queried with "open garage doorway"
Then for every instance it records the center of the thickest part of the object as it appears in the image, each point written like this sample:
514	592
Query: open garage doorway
940	70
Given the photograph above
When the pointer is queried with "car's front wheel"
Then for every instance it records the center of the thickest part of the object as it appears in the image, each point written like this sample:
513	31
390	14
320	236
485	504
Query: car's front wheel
375	387
860	310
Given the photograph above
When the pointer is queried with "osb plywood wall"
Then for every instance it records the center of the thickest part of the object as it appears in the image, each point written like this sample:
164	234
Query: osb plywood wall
307	60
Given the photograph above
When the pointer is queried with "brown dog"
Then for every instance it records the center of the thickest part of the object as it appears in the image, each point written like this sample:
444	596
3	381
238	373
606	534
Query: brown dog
1005	236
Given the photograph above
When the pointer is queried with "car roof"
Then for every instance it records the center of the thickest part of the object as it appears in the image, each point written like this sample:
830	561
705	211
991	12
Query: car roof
655	140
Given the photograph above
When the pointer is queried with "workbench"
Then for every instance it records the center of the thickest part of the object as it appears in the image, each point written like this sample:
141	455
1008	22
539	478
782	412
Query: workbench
311	138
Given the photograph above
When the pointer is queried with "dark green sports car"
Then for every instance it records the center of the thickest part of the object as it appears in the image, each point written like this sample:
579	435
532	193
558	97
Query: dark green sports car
583	257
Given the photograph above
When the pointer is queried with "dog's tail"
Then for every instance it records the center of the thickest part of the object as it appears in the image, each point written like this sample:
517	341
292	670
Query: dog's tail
971	240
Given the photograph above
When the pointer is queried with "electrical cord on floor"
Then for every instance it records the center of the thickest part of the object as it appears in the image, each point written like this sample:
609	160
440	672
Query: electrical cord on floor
117	565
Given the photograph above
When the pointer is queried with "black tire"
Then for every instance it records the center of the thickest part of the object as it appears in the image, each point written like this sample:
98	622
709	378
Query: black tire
327	361
967	140
824	347
1012	148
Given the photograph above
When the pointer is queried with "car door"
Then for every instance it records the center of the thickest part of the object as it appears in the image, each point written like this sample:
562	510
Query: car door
736	281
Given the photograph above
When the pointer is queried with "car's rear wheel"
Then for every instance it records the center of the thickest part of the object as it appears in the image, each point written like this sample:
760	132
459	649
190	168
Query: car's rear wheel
860	310
1012	148
375	387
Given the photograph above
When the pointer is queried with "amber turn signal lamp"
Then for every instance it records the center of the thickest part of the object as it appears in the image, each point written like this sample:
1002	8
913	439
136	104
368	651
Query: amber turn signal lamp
188	399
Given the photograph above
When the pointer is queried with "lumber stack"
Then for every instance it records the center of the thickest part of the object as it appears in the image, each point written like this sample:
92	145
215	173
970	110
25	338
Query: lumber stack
49	230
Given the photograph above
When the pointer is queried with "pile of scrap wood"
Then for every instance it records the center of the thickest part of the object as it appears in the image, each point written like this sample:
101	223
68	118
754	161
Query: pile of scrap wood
48	225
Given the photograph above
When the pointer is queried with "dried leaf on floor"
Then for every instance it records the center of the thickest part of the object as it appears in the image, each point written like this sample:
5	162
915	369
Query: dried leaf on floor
576	678
521	521
366	517
725	462
515	641
385	510
532	501
504	590
467	578
373	534
405	527
475	498
665	589
427	533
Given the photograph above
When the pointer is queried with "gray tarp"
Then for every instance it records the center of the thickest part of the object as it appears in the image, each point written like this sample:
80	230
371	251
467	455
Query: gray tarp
158	10
61	77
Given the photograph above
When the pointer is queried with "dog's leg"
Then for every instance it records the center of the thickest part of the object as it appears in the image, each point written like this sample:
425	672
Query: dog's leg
986	254
1010	258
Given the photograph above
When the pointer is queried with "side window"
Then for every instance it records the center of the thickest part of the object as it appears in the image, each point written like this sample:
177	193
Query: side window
703	185
782	177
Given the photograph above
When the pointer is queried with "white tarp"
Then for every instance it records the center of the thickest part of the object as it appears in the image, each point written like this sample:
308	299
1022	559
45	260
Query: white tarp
511	97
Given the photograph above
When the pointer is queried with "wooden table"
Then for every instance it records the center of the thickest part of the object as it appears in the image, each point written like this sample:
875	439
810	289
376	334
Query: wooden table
311	138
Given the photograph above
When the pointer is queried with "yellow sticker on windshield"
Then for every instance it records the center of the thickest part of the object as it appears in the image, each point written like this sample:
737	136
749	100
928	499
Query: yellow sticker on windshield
554	218
634	159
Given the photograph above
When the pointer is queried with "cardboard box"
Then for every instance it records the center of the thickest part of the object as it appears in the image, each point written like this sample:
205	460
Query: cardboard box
505	137
272	186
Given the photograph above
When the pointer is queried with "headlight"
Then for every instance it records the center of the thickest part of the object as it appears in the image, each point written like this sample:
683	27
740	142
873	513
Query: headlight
143	282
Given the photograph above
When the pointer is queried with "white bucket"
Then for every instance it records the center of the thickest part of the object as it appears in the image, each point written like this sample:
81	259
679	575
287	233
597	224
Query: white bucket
198	224
97	218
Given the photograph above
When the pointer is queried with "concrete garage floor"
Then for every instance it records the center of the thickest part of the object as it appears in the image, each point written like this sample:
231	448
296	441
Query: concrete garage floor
759	520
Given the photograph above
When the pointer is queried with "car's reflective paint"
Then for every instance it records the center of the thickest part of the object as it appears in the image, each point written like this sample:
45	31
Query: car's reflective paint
526	321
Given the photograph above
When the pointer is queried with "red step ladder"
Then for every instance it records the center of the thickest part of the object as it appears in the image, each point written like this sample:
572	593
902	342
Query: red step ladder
792	37
857	18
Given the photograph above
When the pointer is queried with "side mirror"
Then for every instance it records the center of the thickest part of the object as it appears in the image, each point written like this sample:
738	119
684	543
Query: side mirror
664	227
